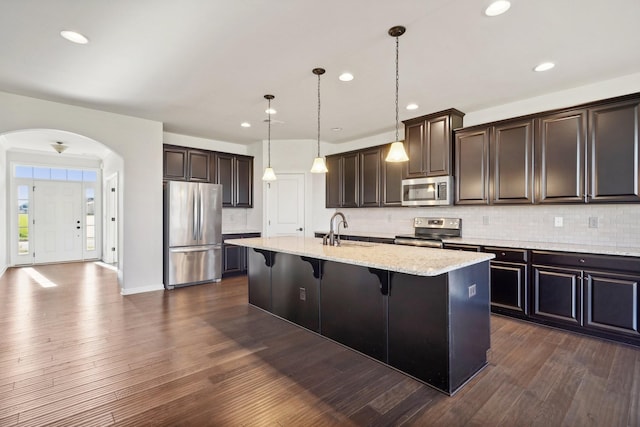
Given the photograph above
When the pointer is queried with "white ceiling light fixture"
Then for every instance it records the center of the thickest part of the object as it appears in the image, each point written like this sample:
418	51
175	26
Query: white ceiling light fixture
412	106
245	124
319	165
59	147
397	152
346	77
74	37
269	174
497	8
545	66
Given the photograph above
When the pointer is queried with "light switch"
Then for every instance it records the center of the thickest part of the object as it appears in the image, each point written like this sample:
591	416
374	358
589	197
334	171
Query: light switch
557	221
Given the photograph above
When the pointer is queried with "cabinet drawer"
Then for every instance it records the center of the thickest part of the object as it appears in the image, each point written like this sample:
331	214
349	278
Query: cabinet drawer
507	254
586	261
461	247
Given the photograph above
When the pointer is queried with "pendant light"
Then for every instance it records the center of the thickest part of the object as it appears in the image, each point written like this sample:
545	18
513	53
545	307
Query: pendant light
396	152
269	174
319	165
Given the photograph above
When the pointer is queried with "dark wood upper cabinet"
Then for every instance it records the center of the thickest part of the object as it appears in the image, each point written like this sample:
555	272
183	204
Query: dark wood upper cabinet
614	152
561	157
235	173
350	180
391	180
370	177
175	163
198	166
472	166
333	180
511	163
428	141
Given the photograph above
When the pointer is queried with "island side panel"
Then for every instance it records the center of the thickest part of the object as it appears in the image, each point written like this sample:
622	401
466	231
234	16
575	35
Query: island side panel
352	309
295	290
418	328
259	275
469	321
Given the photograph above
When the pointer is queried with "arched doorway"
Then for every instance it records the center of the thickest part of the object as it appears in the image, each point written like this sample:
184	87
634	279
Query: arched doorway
56	189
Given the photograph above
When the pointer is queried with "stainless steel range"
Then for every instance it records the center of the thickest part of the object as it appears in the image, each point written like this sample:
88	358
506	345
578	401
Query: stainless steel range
429	232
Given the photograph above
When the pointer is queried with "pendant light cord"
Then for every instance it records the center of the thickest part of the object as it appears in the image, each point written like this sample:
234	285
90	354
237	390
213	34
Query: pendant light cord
397	87
318	115
269	134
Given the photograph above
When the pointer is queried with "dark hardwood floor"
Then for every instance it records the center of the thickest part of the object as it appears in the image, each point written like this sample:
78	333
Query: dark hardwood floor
79	353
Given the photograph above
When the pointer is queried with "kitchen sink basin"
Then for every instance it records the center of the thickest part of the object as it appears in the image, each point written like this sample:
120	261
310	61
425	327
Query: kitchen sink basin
353	243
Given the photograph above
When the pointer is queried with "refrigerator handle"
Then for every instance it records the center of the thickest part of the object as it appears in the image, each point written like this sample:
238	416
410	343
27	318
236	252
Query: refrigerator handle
201	205
194	210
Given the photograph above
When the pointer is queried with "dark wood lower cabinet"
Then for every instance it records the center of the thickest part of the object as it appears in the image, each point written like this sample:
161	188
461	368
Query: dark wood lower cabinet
234	258
611	302
557	294
509	287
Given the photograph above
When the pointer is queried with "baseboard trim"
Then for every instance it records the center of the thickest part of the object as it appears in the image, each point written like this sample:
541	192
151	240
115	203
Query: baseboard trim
141	289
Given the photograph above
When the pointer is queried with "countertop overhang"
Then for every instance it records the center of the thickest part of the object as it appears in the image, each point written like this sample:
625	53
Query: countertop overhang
397	258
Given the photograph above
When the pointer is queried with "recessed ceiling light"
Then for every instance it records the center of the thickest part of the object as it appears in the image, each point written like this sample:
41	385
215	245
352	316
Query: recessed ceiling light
497	8
544	66
412	106
346	77
270	111
336	129
245	124
74	37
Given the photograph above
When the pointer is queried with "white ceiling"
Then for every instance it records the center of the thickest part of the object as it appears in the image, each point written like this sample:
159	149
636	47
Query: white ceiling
203	66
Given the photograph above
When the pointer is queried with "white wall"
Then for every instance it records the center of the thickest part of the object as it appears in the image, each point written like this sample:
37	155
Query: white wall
4	194
139	143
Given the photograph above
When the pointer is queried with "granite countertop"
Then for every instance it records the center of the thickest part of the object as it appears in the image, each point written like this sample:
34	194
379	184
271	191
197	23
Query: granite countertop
402	259
548	246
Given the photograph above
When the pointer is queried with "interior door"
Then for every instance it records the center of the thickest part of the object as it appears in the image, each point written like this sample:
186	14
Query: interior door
285	205
58	221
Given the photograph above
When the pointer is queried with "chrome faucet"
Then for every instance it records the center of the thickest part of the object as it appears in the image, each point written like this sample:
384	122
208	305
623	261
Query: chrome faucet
331	239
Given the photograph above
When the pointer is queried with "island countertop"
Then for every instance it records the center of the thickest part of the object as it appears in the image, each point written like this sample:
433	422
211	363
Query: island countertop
403	259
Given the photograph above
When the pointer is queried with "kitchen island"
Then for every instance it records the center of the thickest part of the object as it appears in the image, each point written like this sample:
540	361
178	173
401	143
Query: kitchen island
422	311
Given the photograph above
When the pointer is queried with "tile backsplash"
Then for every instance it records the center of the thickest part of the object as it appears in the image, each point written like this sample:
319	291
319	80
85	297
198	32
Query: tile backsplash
607	225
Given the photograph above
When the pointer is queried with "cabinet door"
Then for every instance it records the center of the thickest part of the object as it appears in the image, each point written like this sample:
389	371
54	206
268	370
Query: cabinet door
391	180
611	302
614	153
234	259
509	287
350	180
243	181
175	163
437	147
413	143
333	182
472	167
561	157
370	177
512	163
198	166
225	172
557	294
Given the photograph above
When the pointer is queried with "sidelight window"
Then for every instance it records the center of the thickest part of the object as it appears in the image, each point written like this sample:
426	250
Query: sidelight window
90	219
23	219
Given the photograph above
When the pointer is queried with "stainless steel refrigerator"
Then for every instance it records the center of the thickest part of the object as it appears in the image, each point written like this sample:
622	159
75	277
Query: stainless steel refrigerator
192	233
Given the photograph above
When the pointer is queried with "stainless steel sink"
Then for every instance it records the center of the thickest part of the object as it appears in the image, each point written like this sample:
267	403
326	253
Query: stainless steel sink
354	243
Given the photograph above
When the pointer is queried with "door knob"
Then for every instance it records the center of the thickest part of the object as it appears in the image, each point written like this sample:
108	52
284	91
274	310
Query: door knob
78	228
299	229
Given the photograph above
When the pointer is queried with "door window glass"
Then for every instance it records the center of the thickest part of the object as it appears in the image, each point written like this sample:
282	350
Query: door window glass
90	219
23	219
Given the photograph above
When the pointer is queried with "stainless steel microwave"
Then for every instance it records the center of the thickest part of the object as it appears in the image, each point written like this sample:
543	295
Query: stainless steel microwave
432	191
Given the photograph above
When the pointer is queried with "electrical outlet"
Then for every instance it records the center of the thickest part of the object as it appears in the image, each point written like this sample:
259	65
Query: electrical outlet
303	294
472	290
485	220
558	222
593	222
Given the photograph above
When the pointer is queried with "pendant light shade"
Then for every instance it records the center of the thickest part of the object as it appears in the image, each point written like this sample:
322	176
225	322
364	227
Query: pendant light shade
397	152
269	174
319	165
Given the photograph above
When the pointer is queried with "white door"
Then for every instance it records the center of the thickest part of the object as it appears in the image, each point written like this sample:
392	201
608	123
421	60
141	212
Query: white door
285	205
58	227
111	222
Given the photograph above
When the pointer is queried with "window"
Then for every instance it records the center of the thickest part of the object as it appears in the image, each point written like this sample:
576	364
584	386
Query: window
90	219
23	219
55	174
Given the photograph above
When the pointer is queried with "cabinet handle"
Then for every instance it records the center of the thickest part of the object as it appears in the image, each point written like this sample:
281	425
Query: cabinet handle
503	253
581	260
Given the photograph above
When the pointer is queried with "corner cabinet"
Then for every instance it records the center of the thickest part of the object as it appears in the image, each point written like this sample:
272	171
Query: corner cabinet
362	178
428	141
235	173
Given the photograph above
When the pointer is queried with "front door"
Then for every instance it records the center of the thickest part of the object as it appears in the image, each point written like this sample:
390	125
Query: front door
285	205
58	223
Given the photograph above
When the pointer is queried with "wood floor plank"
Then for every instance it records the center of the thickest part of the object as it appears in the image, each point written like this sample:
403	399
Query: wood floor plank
82	354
